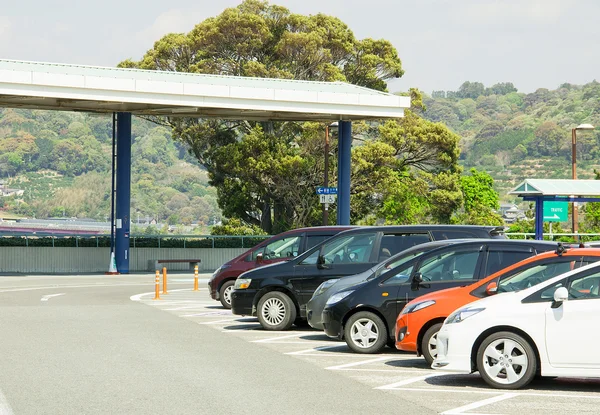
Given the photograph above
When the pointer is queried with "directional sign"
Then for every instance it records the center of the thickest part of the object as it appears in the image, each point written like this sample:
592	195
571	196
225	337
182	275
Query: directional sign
556	211
327	190
327	198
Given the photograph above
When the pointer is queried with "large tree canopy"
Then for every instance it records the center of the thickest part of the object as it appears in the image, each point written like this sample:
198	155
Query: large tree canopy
266	172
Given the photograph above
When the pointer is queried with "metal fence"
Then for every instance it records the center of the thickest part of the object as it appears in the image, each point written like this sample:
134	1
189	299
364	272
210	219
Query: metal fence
136	241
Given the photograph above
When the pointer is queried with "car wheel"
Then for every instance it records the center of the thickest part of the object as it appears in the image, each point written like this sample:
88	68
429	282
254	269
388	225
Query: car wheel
276	311
429	343
365	332
225	293
506	360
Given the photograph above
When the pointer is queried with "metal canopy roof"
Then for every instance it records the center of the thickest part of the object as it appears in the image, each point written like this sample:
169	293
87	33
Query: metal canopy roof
97	89
557	187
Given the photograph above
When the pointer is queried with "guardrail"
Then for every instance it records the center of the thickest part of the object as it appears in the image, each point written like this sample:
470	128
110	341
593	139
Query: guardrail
559	237
136	241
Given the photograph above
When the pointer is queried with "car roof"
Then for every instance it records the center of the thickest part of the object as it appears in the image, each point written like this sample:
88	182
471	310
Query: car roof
317	229
425	227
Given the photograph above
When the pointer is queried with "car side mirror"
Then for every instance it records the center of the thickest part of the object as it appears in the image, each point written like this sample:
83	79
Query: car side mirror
416	281
560	296
492	288
321	262
259	258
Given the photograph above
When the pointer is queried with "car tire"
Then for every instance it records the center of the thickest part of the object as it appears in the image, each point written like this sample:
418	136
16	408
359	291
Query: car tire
276	311
492	363
365	332
225	293
428	345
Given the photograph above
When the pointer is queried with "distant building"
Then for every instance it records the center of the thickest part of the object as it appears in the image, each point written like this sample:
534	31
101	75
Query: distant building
6	192
511	213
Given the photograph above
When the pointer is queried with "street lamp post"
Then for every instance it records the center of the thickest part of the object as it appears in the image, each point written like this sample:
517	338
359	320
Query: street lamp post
574	167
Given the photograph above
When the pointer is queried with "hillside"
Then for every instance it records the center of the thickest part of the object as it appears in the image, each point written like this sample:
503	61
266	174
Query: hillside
61	163
514	135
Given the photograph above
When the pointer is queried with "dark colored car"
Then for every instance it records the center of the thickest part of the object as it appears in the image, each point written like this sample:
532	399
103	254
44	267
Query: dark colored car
278	293
278	248
365	314
314	308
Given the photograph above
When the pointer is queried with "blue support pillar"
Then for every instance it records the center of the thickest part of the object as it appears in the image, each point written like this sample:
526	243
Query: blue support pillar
123	190
344	152
539	218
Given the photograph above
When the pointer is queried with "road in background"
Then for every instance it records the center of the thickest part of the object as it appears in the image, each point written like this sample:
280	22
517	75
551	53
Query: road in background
87	348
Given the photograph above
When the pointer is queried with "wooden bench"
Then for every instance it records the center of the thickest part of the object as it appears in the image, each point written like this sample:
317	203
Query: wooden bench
192	262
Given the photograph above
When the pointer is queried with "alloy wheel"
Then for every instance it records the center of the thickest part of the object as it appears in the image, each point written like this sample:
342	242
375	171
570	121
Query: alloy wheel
505	361
364	333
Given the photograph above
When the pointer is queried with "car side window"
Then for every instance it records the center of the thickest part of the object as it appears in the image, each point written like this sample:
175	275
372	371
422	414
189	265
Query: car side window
534	275
585	287
281	248
314	240
400	276
449	234
391	244
450	265
347	249
497	259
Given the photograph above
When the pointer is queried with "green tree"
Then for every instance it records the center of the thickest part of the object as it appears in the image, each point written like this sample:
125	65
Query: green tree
236	227
263	40
480	200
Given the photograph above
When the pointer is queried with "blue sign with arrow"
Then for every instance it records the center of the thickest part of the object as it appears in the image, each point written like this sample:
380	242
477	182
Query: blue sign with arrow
327	190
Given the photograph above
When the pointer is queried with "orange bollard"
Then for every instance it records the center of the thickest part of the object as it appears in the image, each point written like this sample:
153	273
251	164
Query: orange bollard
165	280
157	286
196	278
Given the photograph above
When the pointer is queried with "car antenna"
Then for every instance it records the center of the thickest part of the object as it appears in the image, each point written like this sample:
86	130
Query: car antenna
560	249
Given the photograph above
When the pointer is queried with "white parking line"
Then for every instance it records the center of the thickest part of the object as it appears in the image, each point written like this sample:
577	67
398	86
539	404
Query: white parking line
479	404
314	349
364	362
274	339
218	321
409	381
208	314
5	408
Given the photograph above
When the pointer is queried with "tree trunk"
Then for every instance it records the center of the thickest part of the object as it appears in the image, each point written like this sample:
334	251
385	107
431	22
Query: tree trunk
266	222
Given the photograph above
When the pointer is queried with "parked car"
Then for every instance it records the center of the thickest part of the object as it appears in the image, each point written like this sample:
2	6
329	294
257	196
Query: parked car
278	248
314	308
278	293
547	330
420	320
365	314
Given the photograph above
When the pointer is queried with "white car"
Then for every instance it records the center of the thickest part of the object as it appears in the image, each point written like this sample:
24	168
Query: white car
550	329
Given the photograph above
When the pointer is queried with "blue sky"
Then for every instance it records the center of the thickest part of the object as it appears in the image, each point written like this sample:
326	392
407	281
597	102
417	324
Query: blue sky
532	43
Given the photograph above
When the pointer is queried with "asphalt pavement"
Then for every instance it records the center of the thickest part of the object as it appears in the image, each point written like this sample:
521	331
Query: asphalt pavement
79	345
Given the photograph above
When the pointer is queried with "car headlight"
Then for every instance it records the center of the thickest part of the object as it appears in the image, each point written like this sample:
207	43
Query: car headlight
336	298
324	287
417	306
242	283
463	313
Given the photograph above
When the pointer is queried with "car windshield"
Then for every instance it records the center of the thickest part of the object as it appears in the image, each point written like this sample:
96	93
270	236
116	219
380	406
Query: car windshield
534	275
393	263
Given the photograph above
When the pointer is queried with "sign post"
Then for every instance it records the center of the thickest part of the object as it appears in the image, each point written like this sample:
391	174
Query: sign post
327	196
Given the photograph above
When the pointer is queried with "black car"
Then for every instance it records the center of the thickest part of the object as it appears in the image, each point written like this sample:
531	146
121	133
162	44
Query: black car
278	293
365	314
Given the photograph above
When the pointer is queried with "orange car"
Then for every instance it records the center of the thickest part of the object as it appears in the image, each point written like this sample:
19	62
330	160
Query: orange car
420	320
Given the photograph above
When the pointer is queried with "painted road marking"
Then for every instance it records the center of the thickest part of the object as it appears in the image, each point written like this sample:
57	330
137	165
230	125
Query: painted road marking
479	404
274	339
364	362
409	381
209	313
49	296
226	321
316	349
